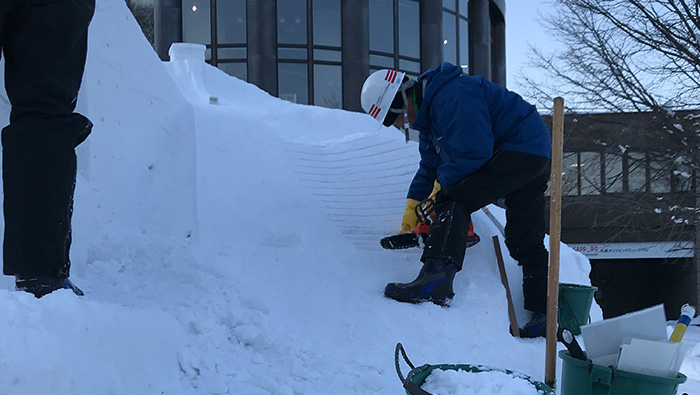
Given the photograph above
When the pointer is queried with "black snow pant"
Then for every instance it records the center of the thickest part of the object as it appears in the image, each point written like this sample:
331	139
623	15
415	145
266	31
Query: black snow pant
44	44
522	180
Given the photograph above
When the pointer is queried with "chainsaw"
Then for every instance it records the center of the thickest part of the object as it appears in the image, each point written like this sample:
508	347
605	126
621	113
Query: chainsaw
419	235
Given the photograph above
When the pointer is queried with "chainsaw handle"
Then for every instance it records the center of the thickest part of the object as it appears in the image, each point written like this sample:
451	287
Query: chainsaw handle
408	385
424	209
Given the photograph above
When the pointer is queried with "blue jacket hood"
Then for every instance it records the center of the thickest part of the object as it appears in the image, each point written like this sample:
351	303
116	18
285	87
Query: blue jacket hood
435	79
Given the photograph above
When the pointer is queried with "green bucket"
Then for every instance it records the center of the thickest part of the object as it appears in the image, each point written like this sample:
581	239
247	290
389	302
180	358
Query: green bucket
584	378
416	377
575	306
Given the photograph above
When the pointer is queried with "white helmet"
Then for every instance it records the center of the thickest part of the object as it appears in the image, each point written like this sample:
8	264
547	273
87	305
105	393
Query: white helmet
378	92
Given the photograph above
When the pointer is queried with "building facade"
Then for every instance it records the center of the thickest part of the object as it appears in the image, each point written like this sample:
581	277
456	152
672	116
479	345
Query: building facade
628	194
320	51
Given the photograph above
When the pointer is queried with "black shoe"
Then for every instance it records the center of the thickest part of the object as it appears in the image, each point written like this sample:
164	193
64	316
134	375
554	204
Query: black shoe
433	284
40	286
537	327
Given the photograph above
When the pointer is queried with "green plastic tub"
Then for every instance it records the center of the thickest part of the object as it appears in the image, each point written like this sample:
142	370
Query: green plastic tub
416	377
584	378
575	306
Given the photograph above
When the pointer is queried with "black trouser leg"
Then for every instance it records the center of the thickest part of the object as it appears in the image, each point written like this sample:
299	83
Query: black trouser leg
525	229
513	175
44	44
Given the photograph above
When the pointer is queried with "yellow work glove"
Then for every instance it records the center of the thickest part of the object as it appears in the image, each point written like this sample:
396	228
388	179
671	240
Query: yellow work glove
409	220
436	189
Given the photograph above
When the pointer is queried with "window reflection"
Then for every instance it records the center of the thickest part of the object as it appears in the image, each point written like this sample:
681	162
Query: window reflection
293	82
636	172
231	53
328	90
409	28
449	37
464	44
613	173
682	175
589	168
464	7
381	27
328	55
449	4
231	21
292	53
196	26
569	166
291	22
660	177
409	66
327	24
238	70
381	61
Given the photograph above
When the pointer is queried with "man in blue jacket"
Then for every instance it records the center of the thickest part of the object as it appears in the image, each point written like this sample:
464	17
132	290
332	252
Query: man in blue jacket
482	142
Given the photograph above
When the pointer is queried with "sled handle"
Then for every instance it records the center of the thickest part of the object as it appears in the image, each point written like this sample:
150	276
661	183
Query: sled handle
409	386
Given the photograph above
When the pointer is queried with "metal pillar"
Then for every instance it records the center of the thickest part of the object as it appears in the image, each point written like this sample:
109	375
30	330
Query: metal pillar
498	48
167	25
355	50
262	44
431	47
479	38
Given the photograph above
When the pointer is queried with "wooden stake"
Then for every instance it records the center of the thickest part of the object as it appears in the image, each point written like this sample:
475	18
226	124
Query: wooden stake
554	240
514	328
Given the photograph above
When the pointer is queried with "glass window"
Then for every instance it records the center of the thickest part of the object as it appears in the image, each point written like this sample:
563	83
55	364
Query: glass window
294	82
328	91
636	172
449	37
327	55
464	44
381	25
409	28
327	22
238	70
449	4
381	61
409	66
464	7
231	21
196	21
231	53
569	172
660	177
613	173
291	22
682	176
589	167
292	53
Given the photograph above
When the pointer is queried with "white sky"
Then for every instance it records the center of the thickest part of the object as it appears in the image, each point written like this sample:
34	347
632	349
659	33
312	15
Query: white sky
523	29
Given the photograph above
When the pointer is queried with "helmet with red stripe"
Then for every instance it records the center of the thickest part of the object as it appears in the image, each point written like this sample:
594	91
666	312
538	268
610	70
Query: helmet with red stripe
378	92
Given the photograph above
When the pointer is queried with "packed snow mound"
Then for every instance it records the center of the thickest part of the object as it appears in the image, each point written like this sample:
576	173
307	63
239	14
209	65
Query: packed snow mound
232	248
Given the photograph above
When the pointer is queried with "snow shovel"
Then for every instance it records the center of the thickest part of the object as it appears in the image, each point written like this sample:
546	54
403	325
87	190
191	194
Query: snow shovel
416	377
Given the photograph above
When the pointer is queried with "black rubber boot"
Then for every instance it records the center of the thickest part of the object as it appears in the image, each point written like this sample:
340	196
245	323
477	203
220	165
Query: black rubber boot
41	286
433	284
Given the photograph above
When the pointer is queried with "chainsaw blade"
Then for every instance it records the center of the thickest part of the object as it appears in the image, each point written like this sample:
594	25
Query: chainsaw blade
400	242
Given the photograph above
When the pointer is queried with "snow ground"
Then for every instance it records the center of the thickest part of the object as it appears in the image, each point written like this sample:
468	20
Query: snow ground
233	248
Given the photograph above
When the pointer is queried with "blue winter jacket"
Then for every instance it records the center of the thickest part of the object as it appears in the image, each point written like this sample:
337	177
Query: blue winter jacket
463	120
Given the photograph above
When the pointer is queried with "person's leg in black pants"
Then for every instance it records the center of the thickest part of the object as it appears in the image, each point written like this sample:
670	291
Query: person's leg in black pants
525	229
504	174
44	44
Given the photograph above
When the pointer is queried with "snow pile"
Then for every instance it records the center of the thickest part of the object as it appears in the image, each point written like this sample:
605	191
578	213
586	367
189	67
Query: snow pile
233	248
462	382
